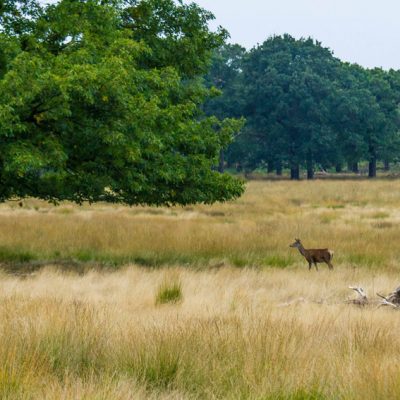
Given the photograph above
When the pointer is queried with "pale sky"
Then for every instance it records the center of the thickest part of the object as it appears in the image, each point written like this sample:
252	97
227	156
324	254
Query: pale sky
363	31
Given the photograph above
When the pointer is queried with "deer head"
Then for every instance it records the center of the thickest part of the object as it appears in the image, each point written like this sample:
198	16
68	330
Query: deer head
297	244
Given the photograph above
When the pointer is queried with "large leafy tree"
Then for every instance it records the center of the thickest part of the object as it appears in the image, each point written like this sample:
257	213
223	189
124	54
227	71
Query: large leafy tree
101	100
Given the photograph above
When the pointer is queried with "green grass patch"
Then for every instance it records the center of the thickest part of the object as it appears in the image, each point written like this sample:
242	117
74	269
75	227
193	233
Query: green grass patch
365	260
169	292
301	394
160	372
380	215
10	255
238	261
278	261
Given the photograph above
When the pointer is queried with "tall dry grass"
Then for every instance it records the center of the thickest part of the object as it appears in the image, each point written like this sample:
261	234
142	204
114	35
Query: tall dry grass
235	334
203	333
358	219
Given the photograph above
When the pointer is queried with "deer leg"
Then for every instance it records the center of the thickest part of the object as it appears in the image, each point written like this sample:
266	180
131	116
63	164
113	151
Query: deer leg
316	266
309	265
328	262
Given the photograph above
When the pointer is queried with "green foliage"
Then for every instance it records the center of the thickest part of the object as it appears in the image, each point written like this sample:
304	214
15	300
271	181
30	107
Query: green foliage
95	105
176	32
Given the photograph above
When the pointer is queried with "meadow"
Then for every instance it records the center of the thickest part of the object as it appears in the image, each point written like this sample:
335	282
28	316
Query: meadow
202	302
358	219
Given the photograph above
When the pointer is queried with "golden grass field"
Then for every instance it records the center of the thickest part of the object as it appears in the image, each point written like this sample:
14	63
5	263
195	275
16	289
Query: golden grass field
358	219
251	321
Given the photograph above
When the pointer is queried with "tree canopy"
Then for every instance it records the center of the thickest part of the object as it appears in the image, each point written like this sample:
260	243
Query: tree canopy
102	101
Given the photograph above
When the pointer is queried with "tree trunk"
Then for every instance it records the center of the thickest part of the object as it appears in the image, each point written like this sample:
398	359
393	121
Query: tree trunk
310	172
386	166
338	168
310	168
353	167
295	172
270	167
279	168
221	163
372	167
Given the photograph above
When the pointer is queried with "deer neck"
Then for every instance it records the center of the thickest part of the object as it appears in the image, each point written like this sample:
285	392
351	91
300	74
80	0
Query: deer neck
302	250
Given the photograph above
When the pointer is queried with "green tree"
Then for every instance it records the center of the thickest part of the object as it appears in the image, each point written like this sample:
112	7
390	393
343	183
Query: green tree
365	116
95	105
288	85
384	144
350	117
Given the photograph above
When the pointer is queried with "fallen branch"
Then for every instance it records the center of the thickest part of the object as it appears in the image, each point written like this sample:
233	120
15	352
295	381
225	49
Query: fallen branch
388	301
392	300
362	298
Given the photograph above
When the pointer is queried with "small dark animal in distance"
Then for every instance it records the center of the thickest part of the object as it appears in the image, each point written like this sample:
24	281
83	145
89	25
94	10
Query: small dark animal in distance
314	256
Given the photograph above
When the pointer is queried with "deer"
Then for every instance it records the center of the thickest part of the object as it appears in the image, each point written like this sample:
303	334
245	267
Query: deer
314	256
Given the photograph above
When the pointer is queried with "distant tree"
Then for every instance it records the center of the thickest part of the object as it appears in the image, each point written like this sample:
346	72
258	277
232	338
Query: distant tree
101	101
366	116
350	116
386	142
288	83
392	152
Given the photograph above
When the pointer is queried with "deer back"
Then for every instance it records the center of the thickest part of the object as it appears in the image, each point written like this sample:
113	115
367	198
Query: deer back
318	254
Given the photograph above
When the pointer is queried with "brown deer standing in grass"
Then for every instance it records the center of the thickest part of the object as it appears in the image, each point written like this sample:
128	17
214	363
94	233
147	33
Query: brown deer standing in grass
314	256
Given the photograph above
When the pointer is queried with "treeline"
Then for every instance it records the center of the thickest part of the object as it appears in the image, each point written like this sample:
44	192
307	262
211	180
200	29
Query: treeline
304	108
